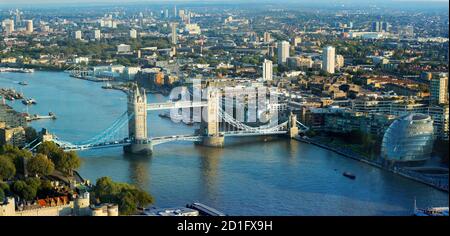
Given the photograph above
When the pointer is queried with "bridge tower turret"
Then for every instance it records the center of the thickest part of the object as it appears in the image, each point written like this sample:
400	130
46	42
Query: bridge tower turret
293	128
209	126
137	124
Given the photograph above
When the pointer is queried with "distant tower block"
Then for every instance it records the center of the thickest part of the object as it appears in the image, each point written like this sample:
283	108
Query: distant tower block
137	125
210	123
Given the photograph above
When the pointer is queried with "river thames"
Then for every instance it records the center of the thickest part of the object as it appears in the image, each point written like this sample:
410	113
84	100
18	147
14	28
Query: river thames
250	176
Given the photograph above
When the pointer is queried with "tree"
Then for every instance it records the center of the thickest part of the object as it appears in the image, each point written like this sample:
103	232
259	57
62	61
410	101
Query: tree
2	195
24	190
49	149
40	165
64	162
30	134
69	161
7	168
127	196
127	203
16	155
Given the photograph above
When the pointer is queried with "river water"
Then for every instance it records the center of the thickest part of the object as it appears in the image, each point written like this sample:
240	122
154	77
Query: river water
250	176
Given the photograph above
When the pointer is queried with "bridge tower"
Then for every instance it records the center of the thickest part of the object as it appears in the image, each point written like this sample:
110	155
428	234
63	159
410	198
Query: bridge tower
137	124
209	126
292	125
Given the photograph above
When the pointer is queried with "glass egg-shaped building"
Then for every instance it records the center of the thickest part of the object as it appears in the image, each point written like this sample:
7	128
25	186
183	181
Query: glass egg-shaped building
409	138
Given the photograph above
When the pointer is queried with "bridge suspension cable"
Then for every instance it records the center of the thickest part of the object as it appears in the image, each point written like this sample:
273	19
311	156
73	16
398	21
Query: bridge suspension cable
105	136
239	125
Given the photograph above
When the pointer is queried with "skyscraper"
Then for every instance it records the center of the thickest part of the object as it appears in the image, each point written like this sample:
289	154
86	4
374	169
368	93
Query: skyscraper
439	89
283	51
166	13
18	17
267	70
174	33
328	59
29	26
385	26
376	26
175	12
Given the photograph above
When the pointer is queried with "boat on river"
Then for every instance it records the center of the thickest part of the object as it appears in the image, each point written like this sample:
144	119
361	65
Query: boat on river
29	101
349	175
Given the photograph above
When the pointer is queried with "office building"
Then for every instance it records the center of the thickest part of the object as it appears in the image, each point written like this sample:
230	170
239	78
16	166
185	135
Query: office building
409	138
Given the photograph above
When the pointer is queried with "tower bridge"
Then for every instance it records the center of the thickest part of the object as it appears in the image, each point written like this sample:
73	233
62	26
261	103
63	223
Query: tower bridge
210	132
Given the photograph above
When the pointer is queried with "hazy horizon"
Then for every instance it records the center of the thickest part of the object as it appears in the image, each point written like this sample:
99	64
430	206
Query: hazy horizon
371	2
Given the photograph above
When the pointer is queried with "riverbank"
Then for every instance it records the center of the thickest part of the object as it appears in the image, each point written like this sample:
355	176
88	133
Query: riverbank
400	171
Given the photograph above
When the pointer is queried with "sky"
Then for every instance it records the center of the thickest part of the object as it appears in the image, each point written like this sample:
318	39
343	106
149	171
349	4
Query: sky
124	1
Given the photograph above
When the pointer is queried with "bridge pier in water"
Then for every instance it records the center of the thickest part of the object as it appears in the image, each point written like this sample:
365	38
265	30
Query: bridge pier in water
139	148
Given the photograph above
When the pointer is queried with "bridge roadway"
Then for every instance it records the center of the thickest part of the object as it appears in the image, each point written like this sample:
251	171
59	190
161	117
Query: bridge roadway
161	140
175	105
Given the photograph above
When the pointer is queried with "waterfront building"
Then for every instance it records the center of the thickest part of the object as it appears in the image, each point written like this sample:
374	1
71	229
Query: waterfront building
283	51
409	138
328	59
133	33
439	89
267	70
14	136
29	26
439	113
10	117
